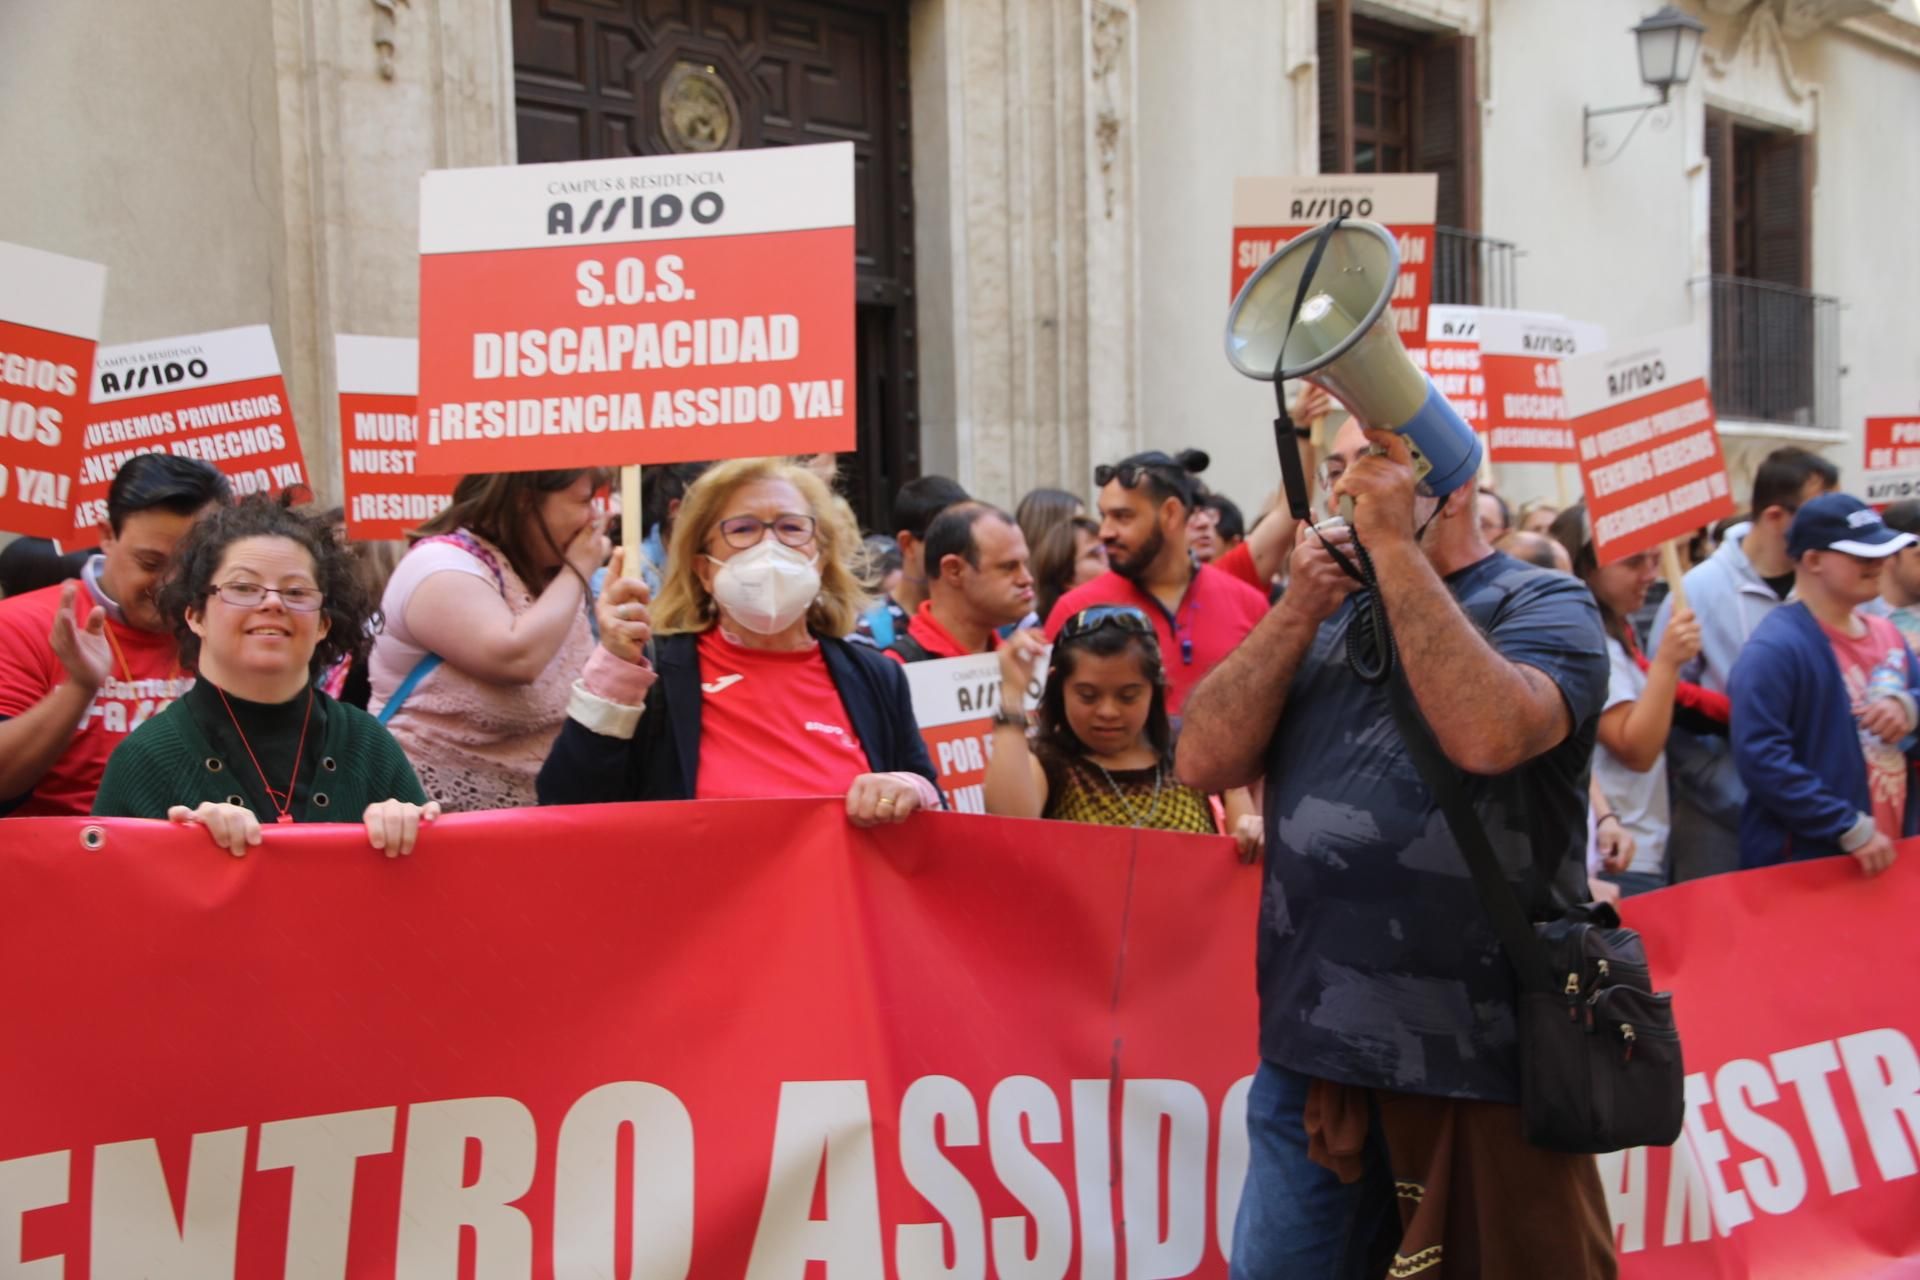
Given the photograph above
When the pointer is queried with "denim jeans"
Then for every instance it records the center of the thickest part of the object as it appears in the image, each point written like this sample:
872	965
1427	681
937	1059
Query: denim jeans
1297	1219
1635	882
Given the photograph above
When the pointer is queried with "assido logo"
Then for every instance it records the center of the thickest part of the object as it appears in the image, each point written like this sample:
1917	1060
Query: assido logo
637	213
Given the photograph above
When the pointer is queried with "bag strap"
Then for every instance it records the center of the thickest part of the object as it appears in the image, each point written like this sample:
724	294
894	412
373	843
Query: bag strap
1293	476
1531	964
421	670
909	648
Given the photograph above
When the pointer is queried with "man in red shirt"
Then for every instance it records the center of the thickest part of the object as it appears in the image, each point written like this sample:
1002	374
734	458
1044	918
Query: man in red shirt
1199	612
84	664
978	581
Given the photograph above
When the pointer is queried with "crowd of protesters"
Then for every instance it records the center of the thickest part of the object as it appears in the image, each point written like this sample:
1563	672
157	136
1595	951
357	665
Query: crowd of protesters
236	664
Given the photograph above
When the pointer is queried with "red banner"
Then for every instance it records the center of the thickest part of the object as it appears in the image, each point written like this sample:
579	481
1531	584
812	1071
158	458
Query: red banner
745	1039
1893	459
218	397
1268	212
379	434
49	321
645	309
1650	458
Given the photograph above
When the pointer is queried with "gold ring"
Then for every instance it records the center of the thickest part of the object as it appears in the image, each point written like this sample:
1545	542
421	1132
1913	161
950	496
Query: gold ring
886	799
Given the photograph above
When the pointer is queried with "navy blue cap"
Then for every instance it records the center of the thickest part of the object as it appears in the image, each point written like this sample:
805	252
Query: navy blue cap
1841	522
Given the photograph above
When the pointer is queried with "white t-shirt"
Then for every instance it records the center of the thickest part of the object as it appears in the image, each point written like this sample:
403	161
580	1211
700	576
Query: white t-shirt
395	653
1639	798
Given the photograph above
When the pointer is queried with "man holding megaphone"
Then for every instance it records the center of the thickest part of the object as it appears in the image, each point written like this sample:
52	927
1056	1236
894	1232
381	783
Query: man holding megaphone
1387	1010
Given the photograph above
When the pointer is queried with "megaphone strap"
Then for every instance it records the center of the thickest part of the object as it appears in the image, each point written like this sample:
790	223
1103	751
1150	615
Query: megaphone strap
1293	477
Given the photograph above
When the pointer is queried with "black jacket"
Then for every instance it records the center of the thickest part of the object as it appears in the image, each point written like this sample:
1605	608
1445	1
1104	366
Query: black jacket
661	761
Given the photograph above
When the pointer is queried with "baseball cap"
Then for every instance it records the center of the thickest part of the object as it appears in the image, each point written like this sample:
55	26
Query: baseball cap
1841	522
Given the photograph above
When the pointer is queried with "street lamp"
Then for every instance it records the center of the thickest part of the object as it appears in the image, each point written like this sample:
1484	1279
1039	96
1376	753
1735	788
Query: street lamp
1669	44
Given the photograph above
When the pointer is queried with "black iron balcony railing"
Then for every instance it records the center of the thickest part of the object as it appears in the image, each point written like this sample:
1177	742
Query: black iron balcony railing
1776	353
1472	270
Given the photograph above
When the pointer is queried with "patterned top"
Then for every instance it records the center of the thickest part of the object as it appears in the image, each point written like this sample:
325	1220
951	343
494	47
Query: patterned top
1377	966
1082	794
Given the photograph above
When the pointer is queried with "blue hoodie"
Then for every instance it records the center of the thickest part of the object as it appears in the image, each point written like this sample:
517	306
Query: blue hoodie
1797	745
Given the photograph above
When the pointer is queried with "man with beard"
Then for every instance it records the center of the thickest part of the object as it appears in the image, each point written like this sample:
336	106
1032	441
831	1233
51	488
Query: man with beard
84	664
1200	612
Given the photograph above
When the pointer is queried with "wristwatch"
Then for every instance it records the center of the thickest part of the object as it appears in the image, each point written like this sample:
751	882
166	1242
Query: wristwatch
1007	716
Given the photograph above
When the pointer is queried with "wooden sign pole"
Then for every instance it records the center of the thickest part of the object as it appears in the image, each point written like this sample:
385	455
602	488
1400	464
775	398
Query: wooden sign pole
1670	566
630	530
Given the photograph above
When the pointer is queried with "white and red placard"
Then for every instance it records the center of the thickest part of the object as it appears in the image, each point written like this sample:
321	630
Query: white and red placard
384	493
1452	359
954	701
50	309
646	309
218	397
1650	458
1892	459
1526	413
1268	212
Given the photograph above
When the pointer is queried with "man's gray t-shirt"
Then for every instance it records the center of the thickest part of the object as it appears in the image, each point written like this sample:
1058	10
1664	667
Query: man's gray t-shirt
1377	966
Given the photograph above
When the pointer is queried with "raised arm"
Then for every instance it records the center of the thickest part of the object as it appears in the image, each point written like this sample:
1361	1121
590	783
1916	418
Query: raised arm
1230	716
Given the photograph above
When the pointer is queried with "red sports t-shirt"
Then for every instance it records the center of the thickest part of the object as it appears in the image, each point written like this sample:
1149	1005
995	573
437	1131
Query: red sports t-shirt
1874	664
146	677
1213	617
936	639
771	725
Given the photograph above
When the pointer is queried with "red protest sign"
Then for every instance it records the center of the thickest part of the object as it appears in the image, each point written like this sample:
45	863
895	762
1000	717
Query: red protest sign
1526	412
954	701
1893	459
1268	212
49	322
385	493
638	310
1650	457
1452	359
218	397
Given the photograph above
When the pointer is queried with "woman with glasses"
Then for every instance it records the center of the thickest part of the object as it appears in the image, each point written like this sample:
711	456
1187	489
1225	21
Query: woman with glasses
263	598
486	629
1103	751
751	688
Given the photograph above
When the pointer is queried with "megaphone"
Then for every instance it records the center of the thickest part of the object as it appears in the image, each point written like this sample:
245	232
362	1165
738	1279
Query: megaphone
1340	277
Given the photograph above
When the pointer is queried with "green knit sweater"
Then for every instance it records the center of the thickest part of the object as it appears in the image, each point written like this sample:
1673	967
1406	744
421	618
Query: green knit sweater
169	761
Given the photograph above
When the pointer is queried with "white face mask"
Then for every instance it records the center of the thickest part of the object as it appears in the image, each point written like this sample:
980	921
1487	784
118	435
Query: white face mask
768	587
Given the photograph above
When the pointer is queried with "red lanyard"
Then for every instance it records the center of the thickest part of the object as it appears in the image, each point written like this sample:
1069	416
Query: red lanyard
273	797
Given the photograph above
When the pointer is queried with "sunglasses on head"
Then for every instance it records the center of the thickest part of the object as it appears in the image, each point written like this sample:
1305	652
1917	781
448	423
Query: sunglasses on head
1130	473
1120	617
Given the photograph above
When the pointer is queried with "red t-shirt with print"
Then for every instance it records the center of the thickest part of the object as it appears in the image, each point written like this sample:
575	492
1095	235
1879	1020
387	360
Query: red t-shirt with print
146	677
1872	665
772	724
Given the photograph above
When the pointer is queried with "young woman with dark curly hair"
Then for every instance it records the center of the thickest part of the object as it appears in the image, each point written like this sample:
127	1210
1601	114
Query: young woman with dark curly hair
263	599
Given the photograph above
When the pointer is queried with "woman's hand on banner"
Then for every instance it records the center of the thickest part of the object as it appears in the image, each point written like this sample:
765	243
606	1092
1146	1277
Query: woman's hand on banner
394	825
625	622
233	827
877	798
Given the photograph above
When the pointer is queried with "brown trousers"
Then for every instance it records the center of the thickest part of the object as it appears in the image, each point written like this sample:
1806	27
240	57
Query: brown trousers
1477	1201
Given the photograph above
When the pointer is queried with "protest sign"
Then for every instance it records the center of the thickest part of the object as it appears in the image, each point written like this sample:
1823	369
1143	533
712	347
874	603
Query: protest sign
954	701
637	310
1526	411
1452	359
218	397
384	492
1268	212
1650	458
1893	459
574	1042
49	322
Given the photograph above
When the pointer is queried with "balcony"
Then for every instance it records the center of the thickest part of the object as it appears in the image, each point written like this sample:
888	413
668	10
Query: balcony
1776	354
1472	270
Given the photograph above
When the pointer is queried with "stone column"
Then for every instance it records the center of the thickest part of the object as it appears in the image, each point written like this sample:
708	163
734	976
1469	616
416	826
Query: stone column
372	94
1023	118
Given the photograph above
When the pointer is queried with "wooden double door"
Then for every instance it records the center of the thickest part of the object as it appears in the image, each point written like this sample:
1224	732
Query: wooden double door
601	78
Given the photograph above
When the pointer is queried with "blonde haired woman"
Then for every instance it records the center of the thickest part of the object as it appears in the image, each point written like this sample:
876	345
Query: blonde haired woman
753	689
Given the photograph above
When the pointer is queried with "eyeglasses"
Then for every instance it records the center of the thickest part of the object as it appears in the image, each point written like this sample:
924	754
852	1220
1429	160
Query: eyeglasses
1121	617
791	529
248	595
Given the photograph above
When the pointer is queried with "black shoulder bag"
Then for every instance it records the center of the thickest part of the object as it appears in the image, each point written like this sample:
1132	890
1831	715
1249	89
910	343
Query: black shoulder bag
1600	1065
